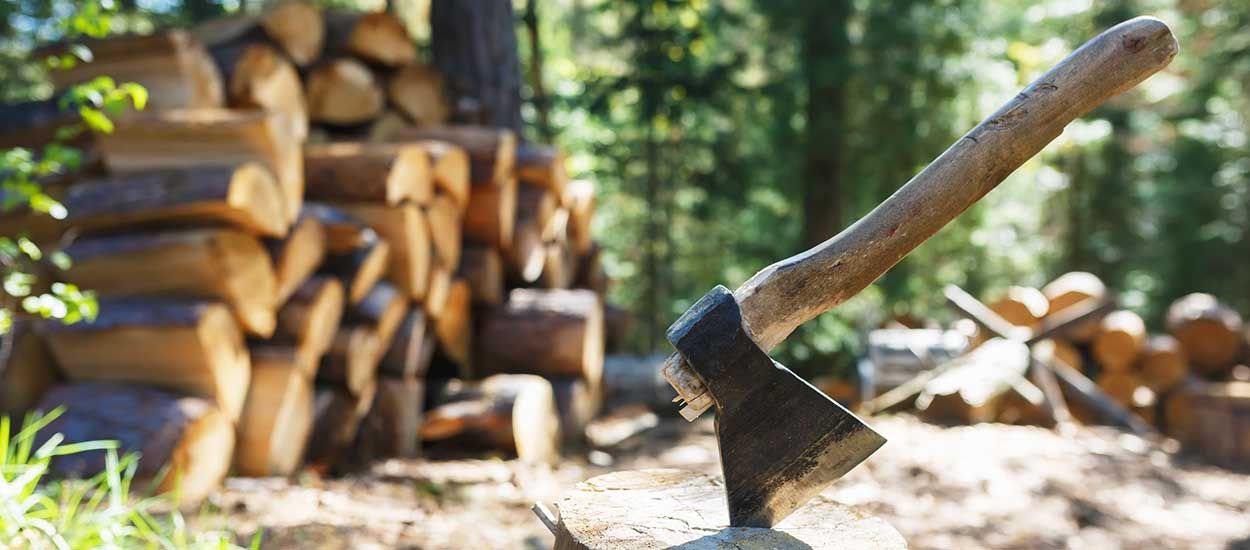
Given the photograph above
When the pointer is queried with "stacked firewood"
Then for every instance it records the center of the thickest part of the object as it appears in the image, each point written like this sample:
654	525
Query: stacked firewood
267	302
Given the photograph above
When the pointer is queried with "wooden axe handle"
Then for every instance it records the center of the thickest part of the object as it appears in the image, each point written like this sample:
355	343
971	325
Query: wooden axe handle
788	293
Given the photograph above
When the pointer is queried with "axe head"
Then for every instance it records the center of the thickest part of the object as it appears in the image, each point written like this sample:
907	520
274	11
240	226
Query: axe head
781	440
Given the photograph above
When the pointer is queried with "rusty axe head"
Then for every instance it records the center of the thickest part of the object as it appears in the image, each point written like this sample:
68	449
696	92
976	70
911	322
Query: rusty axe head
781	440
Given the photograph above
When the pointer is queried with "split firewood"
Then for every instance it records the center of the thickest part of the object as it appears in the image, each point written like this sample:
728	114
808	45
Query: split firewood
578	403
411	349
492	151
392	425
259	76
490	216
636	379
278	415
343	92
298	255
482	268
559	266
405	230
1209	331
542	165
172	65
336	422
1022	306
438	290
310	319
191	347
356	255
417	91
549	332
1162	364
299	27
1120	338
27	373
453	328
377	37
383	309
352	360
534	209
509	413
579	200
450	167
185	442
443	218
211	264
244	196
202	138
368	172
1069	290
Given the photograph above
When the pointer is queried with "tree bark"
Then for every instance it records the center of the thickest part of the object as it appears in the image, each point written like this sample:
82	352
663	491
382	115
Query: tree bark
475	47
825	61
368	172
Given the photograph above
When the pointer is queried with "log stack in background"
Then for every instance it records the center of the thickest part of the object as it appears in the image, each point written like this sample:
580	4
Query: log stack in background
293	250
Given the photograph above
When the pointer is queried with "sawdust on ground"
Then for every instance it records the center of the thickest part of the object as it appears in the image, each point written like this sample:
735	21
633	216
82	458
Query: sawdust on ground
986	486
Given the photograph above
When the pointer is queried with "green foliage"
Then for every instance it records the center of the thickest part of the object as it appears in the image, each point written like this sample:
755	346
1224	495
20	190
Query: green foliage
99	512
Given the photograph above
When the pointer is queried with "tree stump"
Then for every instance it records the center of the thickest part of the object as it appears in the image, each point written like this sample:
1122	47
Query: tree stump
666	508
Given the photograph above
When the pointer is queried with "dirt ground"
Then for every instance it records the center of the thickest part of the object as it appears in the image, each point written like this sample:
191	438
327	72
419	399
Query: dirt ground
987	486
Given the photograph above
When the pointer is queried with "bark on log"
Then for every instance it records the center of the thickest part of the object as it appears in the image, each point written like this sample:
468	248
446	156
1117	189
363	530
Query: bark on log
492	151
1163	365
310	319
404	228
450	167
543	166
1022	306
210	264
490	216
549	332
383	309
191	347
686	509
636	379
343	92
173	66
1209	331
27	373
298	255
367	172
1120	338
244	196
393	423
336	422
443	218
201	138
453	328
277	418
482	268
474	46
1179	421
417	91
377	37
579	200
186	442
411	349
1069	290
1221	434
352	361
508	413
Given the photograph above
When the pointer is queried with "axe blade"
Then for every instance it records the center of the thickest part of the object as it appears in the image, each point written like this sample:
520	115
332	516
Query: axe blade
781	440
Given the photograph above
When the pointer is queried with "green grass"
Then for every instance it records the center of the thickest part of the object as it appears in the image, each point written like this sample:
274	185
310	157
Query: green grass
39	512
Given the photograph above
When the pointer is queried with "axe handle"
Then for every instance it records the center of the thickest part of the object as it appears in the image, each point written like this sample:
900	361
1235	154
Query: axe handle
788	293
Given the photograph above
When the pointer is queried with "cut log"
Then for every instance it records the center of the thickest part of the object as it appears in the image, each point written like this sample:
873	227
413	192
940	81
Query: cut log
336	421
298	255
277	419
1060	350
26	374
482	268
636	380
1209	332
178	139
411	349
191	347
1069	290
368	172
686	509
438	290
492	151
453	328
377	37
543	166
343	92
450	167
549	332
262	78
559	266
310	319
1162	364
383	309
579	200
474	46
356	254
352	360
1120	338
1179	421
1120	386
443	218
395	420
527	257
245	196
1221	433
491	215
1022	306
508	413
211	264
175	68
972	389
535	203
299	28
185	442
417	91
404	228
578	403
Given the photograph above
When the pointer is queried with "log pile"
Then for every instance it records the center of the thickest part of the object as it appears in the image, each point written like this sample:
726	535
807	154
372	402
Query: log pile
300	265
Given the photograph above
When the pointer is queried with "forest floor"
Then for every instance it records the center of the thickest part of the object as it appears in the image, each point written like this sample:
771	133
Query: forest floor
986	486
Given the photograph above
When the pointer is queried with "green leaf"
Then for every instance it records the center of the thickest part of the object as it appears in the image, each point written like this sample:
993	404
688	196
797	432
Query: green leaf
96	120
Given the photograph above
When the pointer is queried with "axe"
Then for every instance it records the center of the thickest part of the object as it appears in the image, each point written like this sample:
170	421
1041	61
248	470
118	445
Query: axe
781	440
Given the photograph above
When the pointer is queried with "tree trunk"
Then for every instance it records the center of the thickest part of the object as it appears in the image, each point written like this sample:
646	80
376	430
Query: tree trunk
474	46
825	61
277	419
